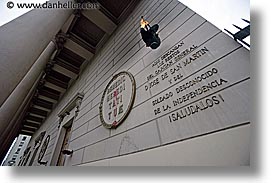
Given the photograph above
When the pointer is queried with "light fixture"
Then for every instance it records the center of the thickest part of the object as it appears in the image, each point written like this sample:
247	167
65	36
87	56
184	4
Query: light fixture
149	34
43	162
67	152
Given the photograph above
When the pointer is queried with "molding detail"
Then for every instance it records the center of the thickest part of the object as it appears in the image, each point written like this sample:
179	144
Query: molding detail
77	13
60	39
78	104
39	139
75	102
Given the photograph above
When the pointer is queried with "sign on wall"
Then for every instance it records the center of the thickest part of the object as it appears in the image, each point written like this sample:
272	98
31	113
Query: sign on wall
117	99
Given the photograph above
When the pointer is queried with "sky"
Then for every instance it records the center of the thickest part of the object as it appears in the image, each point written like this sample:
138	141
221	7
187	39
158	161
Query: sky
221	13
6	14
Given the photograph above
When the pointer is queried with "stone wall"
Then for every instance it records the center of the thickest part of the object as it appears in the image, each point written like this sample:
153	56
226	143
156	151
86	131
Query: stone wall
193	89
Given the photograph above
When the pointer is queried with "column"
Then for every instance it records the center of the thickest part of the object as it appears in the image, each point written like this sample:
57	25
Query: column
19	99
22	41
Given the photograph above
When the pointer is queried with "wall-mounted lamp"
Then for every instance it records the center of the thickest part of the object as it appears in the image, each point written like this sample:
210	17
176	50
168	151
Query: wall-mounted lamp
149	34
67	152
43	162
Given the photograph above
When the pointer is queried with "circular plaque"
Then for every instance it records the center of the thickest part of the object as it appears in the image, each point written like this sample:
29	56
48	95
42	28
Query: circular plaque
43	148
117	99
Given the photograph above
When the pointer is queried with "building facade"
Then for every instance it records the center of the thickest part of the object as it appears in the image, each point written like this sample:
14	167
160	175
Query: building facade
17	151
97	96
